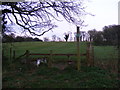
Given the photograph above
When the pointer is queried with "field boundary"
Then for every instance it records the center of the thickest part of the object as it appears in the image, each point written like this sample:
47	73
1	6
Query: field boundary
89	55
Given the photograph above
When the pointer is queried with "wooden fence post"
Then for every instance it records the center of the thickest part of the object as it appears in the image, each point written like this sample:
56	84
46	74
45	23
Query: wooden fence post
88	54
14	54
92	55
68	58
10	54
50	59
27	55
118	64
2	52
78	49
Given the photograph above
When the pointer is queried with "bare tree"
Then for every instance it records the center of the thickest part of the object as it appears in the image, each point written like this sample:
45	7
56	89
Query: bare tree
87	37
37	17
54	37
82	35
70	33
66	37
46	39
92	34
59	39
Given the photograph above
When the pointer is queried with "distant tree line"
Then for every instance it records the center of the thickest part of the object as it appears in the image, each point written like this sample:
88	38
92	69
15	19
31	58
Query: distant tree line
109	36
12	38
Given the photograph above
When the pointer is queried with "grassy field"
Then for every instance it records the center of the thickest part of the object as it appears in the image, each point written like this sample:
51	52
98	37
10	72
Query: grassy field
101	52
44	48
103	74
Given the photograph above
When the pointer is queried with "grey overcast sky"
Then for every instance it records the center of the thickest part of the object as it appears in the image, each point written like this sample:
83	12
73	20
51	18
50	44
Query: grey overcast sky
105	11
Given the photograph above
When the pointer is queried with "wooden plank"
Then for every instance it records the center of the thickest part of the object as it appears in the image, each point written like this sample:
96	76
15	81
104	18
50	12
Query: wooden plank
64	54
38	54
57	54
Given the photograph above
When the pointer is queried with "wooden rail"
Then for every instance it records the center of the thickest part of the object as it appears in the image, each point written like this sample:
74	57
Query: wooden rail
51	56
56	54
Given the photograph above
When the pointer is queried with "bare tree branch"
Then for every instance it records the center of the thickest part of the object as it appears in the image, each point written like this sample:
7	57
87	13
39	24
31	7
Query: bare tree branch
38	17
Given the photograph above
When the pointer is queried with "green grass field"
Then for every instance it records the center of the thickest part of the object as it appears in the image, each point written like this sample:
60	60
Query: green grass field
101	52
44	48
103	74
